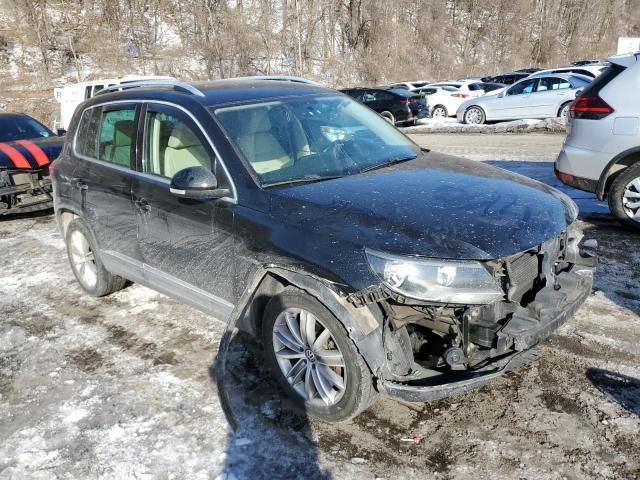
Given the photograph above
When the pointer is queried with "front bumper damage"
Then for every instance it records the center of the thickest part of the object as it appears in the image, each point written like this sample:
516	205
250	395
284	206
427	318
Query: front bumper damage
24	192
524	331
475	344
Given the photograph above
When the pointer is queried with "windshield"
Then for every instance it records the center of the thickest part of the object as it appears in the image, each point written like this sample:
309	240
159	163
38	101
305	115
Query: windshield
312	138
19	127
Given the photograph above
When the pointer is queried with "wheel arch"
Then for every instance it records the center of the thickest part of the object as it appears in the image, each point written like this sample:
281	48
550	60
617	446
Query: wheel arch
64	216
616	166
363	324
562	105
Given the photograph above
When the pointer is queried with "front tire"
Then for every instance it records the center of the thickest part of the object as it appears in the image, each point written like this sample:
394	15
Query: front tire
474	116
313	358
86	264
624	197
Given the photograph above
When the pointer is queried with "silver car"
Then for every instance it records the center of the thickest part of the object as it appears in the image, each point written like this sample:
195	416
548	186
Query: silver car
539	97
601	153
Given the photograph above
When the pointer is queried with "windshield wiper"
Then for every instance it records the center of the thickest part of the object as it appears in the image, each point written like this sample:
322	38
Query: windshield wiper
391	161
307	179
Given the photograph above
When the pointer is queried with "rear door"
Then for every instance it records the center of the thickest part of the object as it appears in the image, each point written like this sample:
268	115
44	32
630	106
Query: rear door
186	245
551	92
101	180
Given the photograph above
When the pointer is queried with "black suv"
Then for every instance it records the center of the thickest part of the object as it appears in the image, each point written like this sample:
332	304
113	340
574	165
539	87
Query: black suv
398	106
363	262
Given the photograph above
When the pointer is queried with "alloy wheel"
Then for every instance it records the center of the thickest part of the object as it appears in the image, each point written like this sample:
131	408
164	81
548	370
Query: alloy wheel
83	259
564	112
439	112
631	199
309	357
473	116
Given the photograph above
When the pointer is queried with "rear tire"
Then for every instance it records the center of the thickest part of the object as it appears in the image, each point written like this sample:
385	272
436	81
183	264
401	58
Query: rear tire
388	116
564	110
624	197
474	116
86	264
350	389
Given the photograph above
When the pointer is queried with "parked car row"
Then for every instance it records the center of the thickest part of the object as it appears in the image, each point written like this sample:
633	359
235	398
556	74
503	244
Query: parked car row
444	98
537	96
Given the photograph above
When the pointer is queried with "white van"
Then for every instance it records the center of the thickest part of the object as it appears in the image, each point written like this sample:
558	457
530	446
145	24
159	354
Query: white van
71	96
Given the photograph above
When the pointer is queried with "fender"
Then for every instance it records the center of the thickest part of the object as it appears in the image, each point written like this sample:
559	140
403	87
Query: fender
64	207
602	182
363	324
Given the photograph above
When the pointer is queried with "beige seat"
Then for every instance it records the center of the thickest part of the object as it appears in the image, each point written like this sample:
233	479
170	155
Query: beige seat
184	150
120	152
260	146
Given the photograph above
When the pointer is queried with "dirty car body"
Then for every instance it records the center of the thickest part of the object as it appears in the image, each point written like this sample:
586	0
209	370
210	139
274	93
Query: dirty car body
27	149
441	272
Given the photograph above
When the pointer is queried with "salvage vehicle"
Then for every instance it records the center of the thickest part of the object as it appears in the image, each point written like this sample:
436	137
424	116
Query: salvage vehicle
546	96
363	263
27	149
601	153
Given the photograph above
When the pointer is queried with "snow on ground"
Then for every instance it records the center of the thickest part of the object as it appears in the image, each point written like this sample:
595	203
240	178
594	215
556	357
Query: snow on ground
121	387
451	125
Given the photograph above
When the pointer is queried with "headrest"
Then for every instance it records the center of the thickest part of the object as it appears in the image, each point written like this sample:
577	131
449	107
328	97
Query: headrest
123	133
183	137
259	121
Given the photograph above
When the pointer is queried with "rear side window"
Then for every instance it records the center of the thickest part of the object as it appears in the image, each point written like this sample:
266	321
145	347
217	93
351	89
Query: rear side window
552	83
116	135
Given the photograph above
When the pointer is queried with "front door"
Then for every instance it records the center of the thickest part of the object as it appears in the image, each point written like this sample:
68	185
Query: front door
517	102
186	245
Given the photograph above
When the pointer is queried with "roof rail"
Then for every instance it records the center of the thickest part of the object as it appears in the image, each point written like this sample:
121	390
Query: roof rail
177	86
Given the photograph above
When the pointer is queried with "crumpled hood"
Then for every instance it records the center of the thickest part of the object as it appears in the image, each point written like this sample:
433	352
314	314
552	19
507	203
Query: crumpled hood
31	154
434	206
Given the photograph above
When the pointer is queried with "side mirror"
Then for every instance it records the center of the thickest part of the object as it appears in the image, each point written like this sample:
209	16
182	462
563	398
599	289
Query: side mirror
61	132
197	183
502	94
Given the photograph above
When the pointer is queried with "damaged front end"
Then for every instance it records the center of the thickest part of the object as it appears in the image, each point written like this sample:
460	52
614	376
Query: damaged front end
24	191
437	349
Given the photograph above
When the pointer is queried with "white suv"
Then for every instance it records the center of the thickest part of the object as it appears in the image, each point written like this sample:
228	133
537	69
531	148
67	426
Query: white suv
601	153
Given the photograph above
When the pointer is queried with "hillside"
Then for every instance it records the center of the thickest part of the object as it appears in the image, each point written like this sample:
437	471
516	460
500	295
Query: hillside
47	43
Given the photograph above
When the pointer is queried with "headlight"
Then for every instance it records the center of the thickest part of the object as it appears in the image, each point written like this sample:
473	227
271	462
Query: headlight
442	281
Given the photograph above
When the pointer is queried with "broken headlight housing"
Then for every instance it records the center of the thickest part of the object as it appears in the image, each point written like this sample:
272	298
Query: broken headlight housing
436	280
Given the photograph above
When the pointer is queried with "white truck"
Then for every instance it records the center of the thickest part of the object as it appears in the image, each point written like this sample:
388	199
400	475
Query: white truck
70	96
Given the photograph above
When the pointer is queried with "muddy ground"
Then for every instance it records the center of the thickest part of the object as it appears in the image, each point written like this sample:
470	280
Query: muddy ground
121	387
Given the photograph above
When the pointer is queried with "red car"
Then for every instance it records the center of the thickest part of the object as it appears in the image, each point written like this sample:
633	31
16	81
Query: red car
27	149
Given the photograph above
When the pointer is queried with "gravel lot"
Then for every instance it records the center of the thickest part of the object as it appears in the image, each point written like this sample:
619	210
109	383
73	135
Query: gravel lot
121	387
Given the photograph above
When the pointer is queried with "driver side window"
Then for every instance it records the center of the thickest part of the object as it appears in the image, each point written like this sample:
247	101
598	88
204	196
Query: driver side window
172	143
526	86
